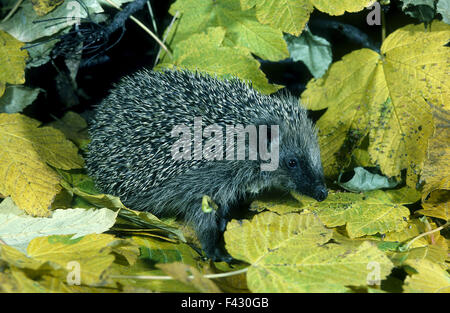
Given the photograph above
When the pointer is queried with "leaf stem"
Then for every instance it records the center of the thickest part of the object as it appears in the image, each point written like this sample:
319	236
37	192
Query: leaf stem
383	26
165	36
405	247
150	11
158	277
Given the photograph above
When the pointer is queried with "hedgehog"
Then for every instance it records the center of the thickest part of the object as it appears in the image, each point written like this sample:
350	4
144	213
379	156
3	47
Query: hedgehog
131	153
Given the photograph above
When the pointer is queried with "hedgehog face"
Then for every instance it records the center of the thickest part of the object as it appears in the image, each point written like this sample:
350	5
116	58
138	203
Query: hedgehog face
303	177
300	168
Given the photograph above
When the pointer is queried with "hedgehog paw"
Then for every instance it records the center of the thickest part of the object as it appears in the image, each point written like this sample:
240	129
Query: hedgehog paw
219	254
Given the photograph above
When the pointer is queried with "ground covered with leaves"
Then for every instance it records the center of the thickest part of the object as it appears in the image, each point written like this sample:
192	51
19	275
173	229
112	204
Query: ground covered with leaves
382	111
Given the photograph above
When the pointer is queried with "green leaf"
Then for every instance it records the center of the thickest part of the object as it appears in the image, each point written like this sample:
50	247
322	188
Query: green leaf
145	223
82	185
17	97
290	16
443	8
17	229
423	10
279	203
207	53
241	27
312	50
363	180
74	128
21	25
339	7
155	252
269	231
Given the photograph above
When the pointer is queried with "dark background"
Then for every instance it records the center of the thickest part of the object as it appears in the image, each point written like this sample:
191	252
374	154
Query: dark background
137	49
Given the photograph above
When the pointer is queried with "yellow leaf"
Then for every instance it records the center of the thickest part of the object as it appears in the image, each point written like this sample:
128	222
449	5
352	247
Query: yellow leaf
438	204
430	277
92	254
8	283
415	68
19	267
287	254
363	214
26	151
362	158
384	96
431	253
127	249
12	61
156	252
17	259
436	171
279	203
347	89
25	284
235	283
338	7
327	268
182	272
253	240
42	7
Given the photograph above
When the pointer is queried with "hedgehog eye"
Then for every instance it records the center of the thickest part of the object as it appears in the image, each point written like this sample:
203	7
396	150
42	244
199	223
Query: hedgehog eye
292	163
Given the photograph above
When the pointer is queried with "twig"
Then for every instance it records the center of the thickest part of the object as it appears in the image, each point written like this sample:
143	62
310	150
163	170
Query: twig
145	28
13	10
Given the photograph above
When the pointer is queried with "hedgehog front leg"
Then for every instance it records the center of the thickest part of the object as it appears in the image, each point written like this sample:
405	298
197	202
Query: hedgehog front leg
211	237
224	216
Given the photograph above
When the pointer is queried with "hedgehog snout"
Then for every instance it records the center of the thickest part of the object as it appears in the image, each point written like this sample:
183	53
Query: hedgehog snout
320	193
